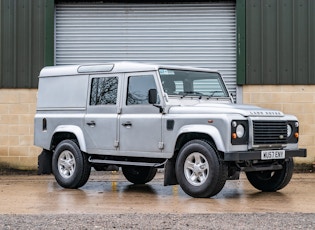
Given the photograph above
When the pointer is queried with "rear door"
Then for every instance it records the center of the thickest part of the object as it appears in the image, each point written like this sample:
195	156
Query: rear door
102	113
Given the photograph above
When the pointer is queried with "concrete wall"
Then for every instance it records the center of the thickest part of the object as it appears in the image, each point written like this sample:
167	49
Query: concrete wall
17	109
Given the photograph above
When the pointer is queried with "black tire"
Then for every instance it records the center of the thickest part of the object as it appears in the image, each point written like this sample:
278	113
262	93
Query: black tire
199	170
70	166
139	174
271	181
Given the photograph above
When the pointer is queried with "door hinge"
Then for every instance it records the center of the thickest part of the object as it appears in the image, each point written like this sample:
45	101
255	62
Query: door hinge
161	145
116	144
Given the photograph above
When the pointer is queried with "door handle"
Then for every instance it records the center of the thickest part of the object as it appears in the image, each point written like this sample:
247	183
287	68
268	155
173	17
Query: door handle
126	124
91	123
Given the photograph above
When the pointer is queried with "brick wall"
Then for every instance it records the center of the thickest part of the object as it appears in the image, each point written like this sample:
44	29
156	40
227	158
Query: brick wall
296	100
17	109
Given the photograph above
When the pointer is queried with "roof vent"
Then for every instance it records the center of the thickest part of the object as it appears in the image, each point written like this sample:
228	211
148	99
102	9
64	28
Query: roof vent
95	68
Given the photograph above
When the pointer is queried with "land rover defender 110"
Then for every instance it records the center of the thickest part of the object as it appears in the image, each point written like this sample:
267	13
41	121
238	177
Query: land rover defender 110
141	117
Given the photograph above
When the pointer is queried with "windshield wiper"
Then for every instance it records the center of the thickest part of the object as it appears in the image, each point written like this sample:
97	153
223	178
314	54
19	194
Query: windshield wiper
212	93
191	93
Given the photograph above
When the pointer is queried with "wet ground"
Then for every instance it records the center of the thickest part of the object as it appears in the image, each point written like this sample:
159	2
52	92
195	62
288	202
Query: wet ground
110	193
108	201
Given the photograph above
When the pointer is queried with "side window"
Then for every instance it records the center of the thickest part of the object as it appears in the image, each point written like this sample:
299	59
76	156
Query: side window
138	88
104	91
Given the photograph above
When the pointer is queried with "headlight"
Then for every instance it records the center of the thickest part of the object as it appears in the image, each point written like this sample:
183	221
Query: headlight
289	130
293	132
240	131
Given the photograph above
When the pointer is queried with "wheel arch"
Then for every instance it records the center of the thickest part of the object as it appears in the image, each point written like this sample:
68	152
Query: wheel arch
191	132
70	132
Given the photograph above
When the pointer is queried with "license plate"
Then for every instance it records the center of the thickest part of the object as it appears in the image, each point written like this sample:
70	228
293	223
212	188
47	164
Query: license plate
272	154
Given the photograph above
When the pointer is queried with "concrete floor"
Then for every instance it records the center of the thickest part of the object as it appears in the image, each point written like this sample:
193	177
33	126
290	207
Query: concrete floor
110	193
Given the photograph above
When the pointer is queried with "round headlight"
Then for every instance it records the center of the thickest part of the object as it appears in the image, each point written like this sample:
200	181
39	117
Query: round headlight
240	131
289	130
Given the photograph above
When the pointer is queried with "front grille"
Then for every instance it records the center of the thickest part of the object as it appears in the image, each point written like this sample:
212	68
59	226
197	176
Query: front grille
270	132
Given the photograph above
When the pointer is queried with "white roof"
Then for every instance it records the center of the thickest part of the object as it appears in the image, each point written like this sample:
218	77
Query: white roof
116	67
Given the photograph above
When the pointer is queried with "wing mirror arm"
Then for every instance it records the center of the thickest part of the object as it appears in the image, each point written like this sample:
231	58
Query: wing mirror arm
232	98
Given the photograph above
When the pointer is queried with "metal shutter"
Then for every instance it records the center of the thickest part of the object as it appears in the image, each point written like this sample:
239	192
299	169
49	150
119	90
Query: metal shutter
200	35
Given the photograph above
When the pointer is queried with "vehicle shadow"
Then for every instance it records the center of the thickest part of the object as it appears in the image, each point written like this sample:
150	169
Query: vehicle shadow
143	188
270	195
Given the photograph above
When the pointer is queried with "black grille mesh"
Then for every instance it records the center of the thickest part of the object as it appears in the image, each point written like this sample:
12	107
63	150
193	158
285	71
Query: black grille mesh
270	132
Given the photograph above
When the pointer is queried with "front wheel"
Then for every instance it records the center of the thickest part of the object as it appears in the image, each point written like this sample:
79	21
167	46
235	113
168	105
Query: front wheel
271	181
70	166
199	170
139	174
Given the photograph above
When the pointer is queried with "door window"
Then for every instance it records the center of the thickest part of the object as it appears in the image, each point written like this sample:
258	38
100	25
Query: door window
104	91
138	88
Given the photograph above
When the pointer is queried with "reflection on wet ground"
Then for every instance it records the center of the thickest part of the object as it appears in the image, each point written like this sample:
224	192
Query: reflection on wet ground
110	193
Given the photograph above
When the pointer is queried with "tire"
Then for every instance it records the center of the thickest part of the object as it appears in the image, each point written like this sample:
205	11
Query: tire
70	166
271	181
199	170
139	174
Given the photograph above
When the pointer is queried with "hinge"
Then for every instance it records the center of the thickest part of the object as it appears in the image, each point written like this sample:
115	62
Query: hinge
161	145
116	144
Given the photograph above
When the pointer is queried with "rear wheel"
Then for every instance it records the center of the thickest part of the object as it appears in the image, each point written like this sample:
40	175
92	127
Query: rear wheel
199	170
139	174
70	166
270	181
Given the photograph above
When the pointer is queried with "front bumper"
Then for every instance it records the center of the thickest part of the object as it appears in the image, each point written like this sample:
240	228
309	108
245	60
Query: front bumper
256	155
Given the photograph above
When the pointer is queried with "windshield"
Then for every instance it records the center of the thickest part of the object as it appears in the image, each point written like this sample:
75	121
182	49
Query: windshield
192	83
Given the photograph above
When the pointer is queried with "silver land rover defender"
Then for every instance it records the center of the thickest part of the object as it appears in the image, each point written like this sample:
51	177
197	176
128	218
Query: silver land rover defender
142	117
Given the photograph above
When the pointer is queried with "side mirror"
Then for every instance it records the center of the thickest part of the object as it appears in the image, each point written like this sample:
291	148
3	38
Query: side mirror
152	95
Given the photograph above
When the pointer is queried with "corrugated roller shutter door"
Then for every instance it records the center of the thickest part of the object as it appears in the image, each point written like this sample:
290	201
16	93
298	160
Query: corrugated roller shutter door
200	35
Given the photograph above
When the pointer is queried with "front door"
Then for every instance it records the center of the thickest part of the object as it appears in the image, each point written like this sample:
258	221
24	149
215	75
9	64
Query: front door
140	122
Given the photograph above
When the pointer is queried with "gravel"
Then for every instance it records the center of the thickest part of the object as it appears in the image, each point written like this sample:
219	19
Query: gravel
161	221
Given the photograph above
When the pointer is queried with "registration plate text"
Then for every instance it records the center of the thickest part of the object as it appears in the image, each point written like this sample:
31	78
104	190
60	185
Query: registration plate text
272	154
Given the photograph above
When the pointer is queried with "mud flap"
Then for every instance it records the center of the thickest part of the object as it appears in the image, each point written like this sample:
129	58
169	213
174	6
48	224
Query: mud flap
44	163
169	173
